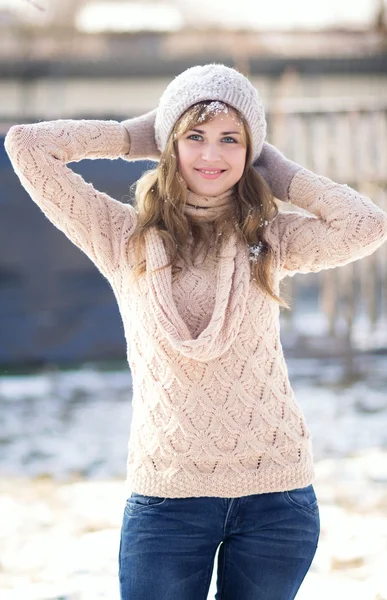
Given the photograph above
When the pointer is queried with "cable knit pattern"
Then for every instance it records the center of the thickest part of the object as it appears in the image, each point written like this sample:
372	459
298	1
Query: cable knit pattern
343	226
96	223
214	413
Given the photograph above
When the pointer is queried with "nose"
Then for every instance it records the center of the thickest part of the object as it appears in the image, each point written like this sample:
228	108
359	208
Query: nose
211	153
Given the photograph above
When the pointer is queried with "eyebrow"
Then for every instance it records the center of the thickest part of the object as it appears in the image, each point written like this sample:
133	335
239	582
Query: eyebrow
222	133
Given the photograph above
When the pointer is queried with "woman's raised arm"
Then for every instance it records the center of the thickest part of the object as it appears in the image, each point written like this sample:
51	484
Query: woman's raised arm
343	225
98	224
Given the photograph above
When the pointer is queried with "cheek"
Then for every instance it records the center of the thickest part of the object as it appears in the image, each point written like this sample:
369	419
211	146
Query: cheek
185	156
238	160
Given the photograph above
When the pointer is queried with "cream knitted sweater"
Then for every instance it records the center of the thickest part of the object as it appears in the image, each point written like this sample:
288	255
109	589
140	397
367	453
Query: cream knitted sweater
214	413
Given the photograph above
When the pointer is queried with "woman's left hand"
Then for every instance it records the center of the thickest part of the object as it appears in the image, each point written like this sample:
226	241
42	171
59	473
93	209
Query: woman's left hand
277	170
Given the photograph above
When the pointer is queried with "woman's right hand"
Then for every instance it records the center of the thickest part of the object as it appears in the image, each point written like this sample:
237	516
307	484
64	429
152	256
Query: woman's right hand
141	140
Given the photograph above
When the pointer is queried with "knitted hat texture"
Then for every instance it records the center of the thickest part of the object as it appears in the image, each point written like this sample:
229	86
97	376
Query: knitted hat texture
211	82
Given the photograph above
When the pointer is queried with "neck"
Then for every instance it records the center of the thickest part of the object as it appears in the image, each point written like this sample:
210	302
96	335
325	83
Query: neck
207	208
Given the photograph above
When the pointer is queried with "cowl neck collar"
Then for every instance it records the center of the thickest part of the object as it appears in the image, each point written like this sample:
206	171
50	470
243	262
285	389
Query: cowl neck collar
232	286
207	208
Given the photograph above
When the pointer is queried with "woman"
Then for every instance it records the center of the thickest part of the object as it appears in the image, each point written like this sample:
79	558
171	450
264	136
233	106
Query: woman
219	451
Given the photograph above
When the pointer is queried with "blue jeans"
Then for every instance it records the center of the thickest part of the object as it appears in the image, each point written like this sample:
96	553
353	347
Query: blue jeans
267	543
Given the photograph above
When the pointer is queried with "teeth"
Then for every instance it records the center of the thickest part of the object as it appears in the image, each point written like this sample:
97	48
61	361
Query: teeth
210	172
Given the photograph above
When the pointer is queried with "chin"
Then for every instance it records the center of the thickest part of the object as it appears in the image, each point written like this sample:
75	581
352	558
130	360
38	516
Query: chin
210	190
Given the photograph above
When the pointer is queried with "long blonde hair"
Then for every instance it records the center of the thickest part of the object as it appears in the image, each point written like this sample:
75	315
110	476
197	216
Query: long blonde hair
161	195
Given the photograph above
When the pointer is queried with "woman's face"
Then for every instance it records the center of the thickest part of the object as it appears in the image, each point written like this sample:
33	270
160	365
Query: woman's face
212	155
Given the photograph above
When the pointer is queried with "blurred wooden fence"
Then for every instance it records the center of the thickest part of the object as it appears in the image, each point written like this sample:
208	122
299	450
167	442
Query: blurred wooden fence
345	140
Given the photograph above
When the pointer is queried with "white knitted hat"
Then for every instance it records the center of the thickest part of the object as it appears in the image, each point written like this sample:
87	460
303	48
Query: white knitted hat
210	82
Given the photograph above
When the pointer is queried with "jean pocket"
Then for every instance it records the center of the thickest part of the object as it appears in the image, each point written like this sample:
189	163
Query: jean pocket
137	502
304	498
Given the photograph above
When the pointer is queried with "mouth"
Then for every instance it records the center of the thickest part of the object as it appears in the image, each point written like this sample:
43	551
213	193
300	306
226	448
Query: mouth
210	173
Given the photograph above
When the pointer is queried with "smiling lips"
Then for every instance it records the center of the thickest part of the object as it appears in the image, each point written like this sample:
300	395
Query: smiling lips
210	173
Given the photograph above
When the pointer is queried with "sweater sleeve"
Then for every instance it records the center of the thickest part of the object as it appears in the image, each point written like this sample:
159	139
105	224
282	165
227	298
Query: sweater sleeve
342	226
92	220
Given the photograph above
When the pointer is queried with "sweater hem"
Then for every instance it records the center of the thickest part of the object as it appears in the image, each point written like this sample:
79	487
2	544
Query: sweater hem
184	485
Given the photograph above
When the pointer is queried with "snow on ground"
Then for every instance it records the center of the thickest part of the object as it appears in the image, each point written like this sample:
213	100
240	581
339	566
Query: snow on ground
63	439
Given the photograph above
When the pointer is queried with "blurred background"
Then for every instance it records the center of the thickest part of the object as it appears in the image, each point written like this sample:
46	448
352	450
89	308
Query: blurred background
65	410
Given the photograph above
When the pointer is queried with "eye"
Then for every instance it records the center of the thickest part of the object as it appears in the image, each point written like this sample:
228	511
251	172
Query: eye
230	140
194	136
